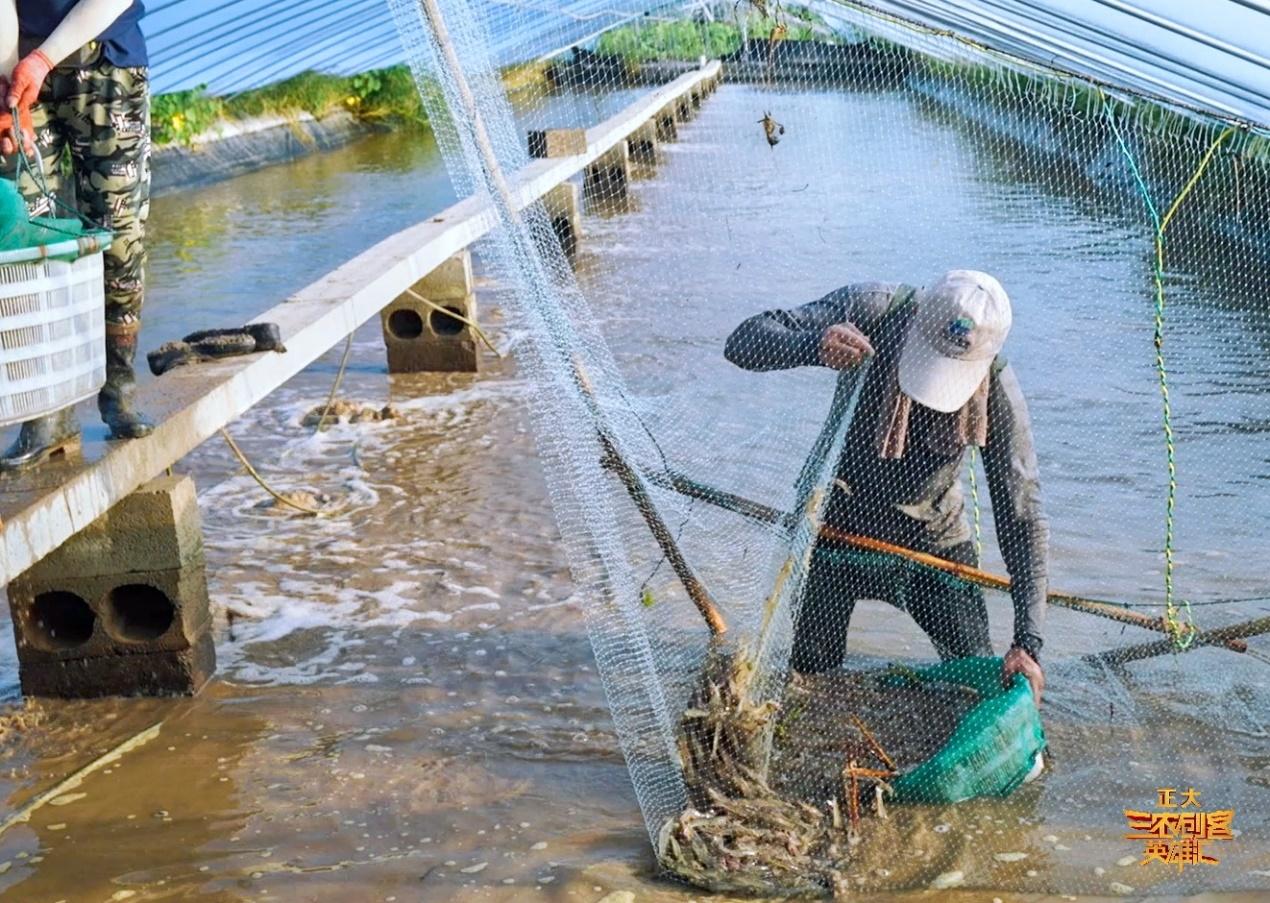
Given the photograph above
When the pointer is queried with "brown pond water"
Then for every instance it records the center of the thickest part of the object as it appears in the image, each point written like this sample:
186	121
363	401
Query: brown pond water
407	706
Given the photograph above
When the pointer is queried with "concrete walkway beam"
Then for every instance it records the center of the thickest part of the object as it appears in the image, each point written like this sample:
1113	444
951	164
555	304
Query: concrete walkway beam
191	404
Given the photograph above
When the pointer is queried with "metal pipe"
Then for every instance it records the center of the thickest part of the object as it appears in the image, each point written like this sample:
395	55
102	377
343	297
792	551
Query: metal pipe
319	29
1218	636
1186	32
1064	49
1140	52
304	59
185	48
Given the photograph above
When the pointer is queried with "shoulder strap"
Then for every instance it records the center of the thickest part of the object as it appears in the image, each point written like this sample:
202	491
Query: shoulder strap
999	363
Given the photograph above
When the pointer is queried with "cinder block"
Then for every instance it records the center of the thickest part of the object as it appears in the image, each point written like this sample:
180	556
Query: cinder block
683	109
180	672
155	528
451	281
643	143
607	177
62	619
564	211
556	142
419	338
128	590
667	130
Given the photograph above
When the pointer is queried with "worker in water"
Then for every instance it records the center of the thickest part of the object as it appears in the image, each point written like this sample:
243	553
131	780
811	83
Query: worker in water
76	70
935	385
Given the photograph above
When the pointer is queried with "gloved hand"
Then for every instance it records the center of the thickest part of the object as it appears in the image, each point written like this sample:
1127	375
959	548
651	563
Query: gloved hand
23	91
7	145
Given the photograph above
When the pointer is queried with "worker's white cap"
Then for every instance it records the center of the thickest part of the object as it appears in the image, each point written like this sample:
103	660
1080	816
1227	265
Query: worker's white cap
958	327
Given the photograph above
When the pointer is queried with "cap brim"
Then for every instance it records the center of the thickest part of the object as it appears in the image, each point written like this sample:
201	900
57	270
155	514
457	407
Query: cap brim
936	381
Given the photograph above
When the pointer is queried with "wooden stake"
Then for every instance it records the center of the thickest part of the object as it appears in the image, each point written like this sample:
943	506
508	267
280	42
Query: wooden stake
613	460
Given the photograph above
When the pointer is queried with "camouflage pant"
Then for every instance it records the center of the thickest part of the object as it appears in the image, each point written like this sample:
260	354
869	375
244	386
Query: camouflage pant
93	123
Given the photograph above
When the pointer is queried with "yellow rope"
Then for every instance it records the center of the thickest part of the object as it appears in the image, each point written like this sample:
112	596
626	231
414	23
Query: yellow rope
335	386
238	452
471	324
1182	633
1199	171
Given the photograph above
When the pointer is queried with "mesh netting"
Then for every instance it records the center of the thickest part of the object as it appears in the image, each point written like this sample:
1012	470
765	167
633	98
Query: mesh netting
841	236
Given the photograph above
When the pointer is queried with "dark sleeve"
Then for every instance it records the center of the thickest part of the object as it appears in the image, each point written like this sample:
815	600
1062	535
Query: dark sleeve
780	339
1014	485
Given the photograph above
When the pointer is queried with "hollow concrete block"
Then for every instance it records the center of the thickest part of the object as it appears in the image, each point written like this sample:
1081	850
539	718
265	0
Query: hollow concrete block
126	596
154	528
642	143
165	673
451	281
556	143
419	338
564	212
65	618
607	177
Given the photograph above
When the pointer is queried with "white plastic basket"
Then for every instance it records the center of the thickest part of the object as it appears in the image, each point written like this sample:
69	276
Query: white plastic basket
52	326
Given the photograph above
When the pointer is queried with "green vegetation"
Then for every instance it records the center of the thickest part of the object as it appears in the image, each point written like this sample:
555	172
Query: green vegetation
670	41
380	95
1167	142
1088	102
688	40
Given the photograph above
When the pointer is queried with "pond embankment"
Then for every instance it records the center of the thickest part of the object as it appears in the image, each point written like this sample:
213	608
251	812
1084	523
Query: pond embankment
233	148
1069	124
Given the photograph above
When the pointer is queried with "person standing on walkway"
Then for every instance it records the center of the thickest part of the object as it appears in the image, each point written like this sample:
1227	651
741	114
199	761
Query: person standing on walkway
77	72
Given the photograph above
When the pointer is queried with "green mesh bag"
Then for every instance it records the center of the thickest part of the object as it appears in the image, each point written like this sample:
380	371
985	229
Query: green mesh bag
995	748
19	232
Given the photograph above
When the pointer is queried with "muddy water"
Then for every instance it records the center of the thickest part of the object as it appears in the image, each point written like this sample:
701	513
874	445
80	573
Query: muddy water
407	707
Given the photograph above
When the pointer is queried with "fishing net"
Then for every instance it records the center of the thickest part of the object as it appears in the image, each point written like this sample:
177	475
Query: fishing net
738	476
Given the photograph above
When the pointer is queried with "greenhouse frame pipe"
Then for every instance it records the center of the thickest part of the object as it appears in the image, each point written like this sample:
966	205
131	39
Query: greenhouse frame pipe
1029	49
293	58
1065	50
1212	81
162	6
1186	32
1211	78
233	87
202	14
271	16
1252	5
269	46
1188	72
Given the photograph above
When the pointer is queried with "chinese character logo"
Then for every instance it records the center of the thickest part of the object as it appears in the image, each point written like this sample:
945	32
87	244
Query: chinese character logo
1177	836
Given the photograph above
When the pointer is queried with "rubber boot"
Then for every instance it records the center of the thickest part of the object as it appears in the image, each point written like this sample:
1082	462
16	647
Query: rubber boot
115	400
53	435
